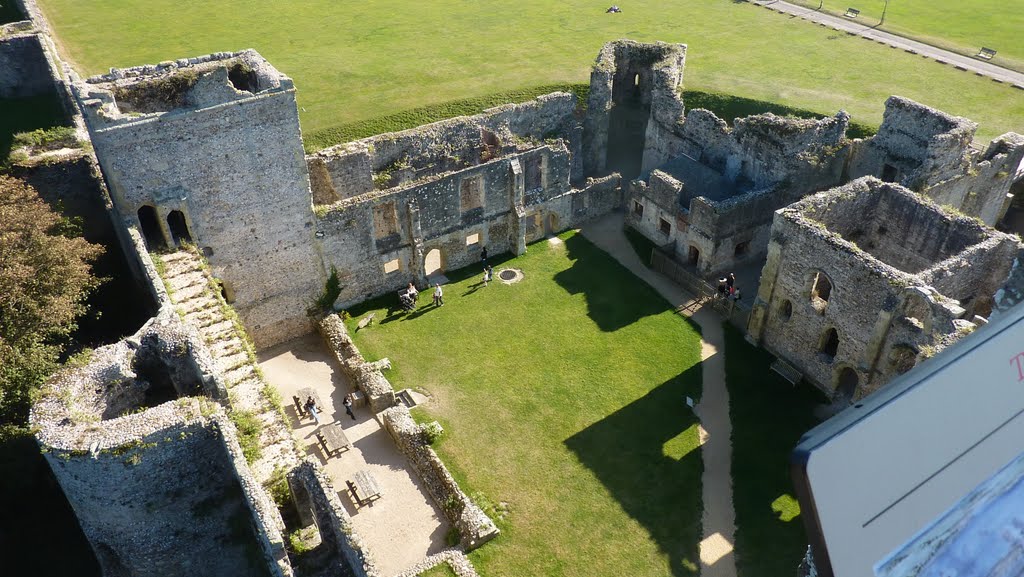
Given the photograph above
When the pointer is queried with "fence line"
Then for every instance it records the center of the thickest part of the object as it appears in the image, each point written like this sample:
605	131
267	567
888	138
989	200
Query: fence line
705	293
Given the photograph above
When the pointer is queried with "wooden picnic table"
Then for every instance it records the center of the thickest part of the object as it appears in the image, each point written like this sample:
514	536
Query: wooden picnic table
300	401
364	487
333	440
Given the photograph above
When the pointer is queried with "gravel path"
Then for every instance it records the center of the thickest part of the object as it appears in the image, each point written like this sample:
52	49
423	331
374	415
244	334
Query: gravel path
867	29
716	546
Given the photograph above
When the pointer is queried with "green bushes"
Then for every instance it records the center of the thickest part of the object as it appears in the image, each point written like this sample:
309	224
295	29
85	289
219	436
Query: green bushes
47	139
249	426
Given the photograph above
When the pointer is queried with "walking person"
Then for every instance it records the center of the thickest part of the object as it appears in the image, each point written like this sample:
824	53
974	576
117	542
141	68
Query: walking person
483	255
730	281
487	277
438	295
312	409
348	406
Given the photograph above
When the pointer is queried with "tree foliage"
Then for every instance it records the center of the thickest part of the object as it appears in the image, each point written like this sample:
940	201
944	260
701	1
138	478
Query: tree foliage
45	277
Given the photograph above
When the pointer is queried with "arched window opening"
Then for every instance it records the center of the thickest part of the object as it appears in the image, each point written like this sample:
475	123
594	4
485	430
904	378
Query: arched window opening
822	287
830	344
179	228
786	310
432	263
151	232
694	256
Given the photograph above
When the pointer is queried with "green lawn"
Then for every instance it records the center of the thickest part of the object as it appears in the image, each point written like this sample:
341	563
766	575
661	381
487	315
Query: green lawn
356	61
768	417
562	396
959	26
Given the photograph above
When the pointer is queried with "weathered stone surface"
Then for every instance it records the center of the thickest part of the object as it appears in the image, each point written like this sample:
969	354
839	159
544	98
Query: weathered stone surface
24	70
365	376
887	270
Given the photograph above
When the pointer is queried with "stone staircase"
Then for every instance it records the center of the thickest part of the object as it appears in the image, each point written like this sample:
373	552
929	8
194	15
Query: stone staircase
196	298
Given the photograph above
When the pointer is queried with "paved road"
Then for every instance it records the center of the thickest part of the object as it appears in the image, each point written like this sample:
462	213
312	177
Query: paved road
867	30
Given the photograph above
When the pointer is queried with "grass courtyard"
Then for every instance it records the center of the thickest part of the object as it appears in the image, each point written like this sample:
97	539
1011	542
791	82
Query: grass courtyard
354	62
562	396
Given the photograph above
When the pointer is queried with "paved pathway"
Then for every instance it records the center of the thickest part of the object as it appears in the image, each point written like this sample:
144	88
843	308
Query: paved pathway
867	30
716	546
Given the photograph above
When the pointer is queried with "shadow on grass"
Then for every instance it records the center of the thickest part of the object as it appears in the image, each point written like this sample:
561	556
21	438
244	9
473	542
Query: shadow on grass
768	417
646	455
615	297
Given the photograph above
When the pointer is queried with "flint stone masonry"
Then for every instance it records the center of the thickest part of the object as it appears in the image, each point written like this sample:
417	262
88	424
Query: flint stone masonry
902	279
24	70
930	152
315	497
217	139
646	77
474	526
718	194
365	376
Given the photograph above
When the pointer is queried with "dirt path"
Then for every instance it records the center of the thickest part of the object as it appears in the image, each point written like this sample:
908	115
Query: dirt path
868	29
716	546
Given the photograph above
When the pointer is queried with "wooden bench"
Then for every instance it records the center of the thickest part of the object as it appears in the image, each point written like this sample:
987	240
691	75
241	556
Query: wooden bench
985	54
852	13
364	488
333	440
787	371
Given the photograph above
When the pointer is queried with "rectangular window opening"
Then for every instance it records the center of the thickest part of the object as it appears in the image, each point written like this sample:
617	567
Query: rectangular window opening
391	266
473	239
638	209
664	226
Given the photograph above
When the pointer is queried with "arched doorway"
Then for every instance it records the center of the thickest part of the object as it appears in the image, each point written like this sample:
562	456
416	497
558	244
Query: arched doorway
432	263
846	384
552	224
693	257
179	228
151	232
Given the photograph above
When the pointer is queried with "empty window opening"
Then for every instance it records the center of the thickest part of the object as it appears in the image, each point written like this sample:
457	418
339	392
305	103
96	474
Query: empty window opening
830	344
391	266
226	291
179	228
636	80
638	209
889	173
432	263
664	226
243	78
846	384
471	193
786	310
533	178
473	239
694	256
822	287
741	249
385	220
552	224
916	312
151	231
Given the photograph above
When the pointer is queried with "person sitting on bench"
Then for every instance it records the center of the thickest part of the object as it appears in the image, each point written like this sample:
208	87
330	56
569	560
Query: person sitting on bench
312	409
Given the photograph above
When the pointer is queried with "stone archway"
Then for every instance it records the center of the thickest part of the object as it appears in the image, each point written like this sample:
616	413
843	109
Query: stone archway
179	227
433	264
151	231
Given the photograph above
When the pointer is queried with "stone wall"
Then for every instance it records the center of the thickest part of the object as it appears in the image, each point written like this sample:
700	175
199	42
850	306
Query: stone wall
474	526
887	318
315	496
190	138
24	70
365	376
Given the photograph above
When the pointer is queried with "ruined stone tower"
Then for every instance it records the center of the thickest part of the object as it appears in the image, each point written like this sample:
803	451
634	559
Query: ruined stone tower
208	150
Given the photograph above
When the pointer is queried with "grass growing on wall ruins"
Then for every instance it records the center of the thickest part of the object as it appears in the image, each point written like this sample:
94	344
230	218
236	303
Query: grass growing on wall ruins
561	396
25	115
354	62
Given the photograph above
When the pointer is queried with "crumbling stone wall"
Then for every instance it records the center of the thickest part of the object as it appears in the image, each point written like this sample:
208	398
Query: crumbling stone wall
860	260
474	526
314	495
217	139
930	151
24	70
366	377
163	490
644	76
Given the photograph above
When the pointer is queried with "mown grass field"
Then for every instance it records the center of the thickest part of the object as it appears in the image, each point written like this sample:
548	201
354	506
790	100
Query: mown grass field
353	62
959	26
562	396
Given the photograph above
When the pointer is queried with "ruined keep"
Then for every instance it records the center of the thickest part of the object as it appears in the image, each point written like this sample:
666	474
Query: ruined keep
864	281
208	150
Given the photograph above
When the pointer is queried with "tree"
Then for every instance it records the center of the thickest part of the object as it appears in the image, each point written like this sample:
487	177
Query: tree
45	276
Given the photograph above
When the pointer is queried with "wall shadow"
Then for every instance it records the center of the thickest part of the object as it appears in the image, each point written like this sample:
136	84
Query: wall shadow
627	452
615	296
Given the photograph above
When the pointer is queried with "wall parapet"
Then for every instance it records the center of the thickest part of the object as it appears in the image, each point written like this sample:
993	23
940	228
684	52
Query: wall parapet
365	376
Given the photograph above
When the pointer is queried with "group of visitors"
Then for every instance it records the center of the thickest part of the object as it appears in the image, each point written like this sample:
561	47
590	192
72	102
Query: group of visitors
727	288
314	410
